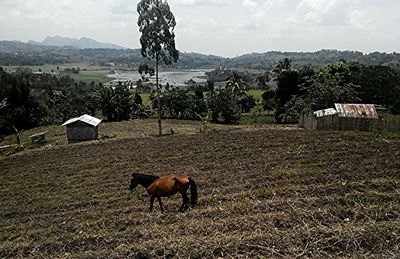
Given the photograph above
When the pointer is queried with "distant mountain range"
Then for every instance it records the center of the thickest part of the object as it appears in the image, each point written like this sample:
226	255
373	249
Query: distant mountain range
82	43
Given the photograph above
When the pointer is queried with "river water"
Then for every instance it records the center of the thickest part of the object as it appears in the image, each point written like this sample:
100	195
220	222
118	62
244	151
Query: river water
175	78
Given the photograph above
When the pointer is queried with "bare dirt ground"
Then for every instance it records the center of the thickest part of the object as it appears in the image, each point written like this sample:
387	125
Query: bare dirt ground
262	192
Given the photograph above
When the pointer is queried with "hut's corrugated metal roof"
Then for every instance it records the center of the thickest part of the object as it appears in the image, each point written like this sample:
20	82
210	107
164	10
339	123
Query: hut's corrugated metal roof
86	119
356	110
325	112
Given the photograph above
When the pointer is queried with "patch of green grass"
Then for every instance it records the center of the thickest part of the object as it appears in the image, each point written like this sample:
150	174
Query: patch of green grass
18	148
91	76
257	118
256	93
145	98
55	133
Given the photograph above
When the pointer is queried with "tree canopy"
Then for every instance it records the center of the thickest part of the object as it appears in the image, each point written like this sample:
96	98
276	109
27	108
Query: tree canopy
157	23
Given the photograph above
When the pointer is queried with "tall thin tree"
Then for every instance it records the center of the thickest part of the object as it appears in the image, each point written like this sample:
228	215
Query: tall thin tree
157	23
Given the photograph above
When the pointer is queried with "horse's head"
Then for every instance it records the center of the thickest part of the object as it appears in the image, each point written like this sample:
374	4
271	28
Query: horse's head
134	182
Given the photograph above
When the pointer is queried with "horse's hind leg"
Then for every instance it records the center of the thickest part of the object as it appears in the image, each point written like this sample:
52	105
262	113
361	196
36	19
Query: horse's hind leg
185	202
151	202
161	206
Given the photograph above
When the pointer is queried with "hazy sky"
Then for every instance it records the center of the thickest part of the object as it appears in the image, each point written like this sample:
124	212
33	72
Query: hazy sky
221	27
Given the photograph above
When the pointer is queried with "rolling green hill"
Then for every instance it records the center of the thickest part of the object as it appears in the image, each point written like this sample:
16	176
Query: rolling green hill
18	53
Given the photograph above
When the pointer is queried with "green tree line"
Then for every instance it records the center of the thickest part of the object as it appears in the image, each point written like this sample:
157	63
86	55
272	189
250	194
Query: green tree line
29	100
19	54
305	89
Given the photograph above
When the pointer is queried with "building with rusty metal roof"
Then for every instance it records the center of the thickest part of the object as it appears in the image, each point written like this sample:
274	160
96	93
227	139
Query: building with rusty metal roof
356	110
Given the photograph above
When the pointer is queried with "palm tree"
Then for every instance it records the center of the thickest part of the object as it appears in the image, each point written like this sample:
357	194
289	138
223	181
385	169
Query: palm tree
105	99
284	64
235	84
115	102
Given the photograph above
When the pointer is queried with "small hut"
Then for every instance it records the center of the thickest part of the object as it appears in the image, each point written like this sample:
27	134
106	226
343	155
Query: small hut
83	128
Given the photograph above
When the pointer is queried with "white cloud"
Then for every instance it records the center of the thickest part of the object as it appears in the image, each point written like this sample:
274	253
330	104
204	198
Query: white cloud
358	20
249	4
196	25
270	4
258	14
202	2
250	25
225	27
329	12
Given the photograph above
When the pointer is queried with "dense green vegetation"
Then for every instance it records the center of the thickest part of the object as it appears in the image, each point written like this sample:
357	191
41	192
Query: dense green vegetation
305	89
18	53
23	54
30	99
292	82
182	104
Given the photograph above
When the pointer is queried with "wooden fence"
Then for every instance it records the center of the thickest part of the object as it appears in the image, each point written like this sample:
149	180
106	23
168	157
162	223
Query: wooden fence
385	123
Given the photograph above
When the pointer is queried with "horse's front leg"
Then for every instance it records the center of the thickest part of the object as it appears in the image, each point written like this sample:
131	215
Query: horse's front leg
151	202
161	206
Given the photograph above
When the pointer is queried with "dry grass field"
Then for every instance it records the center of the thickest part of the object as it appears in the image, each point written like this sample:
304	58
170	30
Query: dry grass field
121	130
262	193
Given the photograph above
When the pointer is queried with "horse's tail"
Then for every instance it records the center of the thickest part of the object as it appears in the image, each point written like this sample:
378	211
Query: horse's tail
193	192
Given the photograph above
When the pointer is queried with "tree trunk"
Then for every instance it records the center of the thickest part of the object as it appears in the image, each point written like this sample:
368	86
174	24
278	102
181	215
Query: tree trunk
158	99
17	133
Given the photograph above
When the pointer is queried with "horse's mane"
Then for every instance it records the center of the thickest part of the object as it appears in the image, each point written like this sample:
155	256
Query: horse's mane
145	178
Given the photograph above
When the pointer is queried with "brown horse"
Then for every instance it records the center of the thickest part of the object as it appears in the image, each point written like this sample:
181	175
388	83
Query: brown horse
166	186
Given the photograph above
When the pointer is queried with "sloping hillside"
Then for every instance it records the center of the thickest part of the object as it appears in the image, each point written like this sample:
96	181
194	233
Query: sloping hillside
14	53
269	193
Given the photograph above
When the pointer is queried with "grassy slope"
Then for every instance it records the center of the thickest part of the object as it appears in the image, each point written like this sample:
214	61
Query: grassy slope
262	192
124	129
